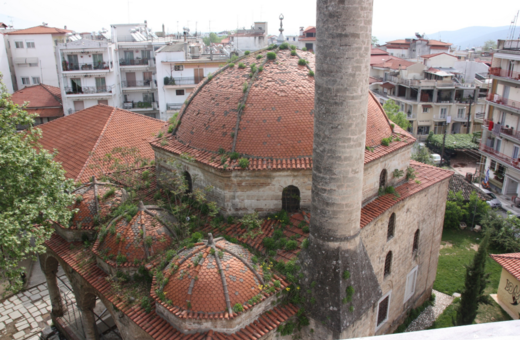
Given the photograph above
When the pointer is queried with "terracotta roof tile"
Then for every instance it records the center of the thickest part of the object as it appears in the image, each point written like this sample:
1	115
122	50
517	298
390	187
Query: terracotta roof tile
40	30
85	136
510	262
428	56
38	96
393	63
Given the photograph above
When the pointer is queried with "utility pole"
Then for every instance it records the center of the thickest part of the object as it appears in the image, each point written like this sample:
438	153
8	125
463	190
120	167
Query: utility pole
446	124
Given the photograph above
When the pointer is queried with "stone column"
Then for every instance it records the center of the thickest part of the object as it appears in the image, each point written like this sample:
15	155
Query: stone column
89	323
49	267
336	258
86	302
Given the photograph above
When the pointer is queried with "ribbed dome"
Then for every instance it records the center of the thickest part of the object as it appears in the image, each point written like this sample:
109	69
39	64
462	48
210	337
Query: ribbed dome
133	243
210	279
278	117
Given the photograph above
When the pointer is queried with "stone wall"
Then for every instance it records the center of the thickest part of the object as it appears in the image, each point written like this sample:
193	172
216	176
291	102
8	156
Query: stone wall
423	211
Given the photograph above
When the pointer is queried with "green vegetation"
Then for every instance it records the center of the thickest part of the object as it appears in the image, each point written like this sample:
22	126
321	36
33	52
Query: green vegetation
213	38
503	231
375	41
293	53
397	173
284	46
396	116
244	87
237	308
231	65
311	73
243	163
241	65
388	190
386	141
422	155
293	48
454	142
259	56
302	62
271	55
457	211
247	52
304	49
414	313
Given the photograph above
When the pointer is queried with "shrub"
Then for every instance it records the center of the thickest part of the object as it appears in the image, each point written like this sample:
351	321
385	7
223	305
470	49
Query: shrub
271	55
170	129
259	56
272	46
237	308
221	151
398	173
243	163
244	87
247	52
386	141
210	76
410	173
234	155
311	73
196	237
269	243
305	243
293	53
302	62
284	46
306	229
260	69
241	65
293	47
304	49
120	259
291	245
253	67
110	192
231	65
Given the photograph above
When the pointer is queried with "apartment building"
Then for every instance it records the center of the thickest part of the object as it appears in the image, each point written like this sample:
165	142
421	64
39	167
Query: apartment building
428	92
307	38
180	67
500	144
4	66
88	74
415	48
251	39
32	55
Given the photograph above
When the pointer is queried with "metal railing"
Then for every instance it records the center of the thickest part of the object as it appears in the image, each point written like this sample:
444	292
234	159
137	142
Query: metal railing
462	118
181	81
515	162
480	115
85	66
497	99
88	89
136	83
499	72
428	82
136	62
139	105
173	106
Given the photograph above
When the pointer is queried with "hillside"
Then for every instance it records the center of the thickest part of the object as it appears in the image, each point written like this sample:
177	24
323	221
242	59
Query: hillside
474	36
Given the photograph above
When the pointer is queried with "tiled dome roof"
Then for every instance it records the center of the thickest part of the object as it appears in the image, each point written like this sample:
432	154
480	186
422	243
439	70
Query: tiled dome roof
94	201
278	117
132	243
208	280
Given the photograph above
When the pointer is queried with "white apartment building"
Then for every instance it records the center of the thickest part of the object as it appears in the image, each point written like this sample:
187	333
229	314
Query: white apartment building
4	66
32	55
88	74
415	48
428	93
307	38
251	39
180	67
500	144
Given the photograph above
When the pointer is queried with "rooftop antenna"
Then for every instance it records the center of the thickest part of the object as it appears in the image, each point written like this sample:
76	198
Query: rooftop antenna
512	27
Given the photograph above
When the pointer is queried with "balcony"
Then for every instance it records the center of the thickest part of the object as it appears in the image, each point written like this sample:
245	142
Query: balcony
411	116
181	82
462	118
479	117
137	62
499	72
500	156
140	105
173	106
68	67
137	83
504	102
89	90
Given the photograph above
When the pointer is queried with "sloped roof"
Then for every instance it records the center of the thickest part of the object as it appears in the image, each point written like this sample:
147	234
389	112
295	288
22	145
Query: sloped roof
40	30
459	183
89	134
38	96
428	56
378	51
399	41
510	262
432	42
393	63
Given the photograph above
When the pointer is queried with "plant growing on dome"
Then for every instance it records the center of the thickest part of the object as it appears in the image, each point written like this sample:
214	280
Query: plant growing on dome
231	65
120	259
244	87
271	55
410	173
311	73
304	49
272	46
247	52
243	163
259	56
238	308
234	155
284	46
293	53
260	69
302	62
398	173
241	65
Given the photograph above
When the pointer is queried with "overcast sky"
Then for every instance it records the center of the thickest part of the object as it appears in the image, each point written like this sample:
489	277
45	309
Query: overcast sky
392	18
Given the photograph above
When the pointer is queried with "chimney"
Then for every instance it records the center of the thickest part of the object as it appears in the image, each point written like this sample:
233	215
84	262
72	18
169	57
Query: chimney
65	27
301	31
336	257
163	31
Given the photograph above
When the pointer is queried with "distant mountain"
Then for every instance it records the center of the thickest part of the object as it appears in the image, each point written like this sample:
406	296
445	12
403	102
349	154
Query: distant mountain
472	36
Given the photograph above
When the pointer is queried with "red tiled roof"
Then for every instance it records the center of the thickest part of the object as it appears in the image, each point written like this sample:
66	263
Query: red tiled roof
47	113
74	254
276	125
428	56
427	175
377	51
399	41
438	43
225	41
393	63
38	96
88	135
372	80
510	262
41	30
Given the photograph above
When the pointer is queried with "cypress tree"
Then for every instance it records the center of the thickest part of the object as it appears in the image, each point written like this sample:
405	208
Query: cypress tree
473	292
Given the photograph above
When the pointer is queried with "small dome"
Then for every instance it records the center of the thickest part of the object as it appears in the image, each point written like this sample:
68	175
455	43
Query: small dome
193	281
133	242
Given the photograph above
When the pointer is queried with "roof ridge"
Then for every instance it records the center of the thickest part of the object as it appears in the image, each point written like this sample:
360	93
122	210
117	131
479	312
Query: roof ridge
91	153
134	113
52	94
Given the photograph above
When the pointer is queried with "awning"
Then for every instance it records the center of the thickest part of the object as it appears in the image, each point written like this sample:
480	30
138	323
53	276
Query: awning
507	56
20	61
427	106
388	86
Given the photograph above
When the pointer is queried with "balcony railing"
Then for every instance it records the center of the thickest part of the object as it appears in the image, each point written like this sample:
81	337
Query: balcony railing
136	83
173	106
515	162
380	93
463	118
88	89
139	105
84	66
411	116
499	72
480	115
135	62
181	81
496	98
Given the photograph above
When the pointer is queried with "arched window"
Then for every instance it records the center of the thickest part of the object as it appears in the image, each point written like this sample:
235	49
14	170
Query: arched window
388	263
382	179
291	199
416	241
189	184
391	227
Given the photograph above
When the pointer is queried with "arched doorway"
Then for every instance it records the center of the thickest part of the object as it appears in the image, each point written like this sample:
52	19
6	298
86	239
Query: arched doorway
189	183
291	199
382	179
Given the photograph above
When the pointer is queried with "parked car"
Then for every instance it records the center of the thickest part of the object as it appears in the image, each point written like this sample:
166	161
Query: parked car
436	158
493	202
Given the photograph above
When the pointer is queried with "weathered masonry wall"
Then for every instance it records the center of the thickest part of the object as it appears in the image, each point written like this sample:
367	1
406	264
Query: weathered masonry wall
423	211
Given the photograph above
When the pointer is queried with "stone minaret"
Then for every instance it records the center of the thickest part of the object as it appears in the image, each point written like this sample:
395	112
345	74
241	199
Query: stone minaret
336	258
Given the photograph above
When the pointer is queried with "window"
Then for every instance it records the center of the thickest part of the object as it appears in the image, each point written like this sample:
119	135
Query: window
425	109
30	44
33	64
423	130
179	92
188	182
382	310
382	179
291	199
179	67
461	112
25	81
503	118
18	44
498	144
515	152
415	241
36	80
493	165
391	227
388	264
411	279
443	112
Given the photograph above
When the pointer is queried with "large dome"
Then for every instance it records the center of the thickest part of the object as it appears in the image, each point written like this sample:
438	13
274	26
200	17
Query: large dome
277	119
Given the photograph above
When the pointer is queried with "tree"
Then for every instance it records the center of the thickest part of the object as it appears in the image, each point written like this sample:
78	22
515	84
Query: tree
474	285
422	154
213	38
476	209
489	44
375	41
454	210
504	232
393	113
33	191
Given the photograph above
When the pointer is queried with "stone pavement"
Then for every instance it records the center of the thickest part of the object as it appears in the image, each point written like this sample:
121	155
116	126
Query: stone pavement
431	313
